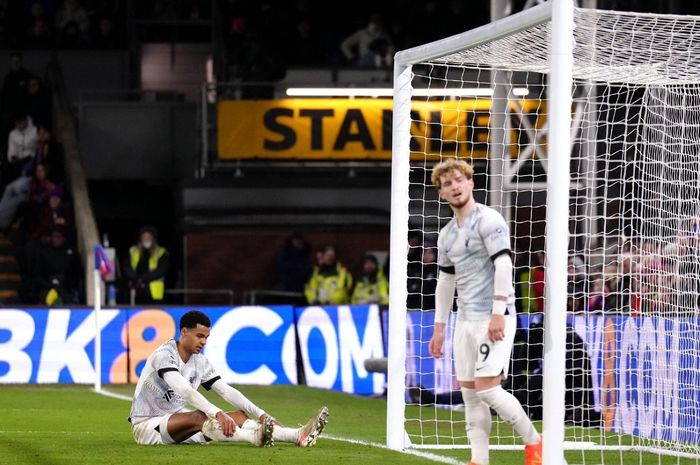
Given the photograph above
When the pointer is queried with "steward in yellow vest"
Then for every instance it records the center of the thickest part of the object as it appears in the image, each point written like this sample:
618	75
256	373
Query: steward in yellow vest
147	266
330	282
372	287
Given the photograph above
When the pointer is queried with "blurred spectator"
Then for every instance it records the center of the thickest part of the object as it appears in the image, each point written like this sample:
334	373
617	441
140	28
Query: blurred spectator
330	282
71	37
370	46
13	99
576	284
21	148
50	154
146	267
72	14
688	250
623	286
39	35
538	286
293	264
524	301
422	280
599	292
15	194
40	189
57	211
39	105
304	47
371	287
58	270
105	37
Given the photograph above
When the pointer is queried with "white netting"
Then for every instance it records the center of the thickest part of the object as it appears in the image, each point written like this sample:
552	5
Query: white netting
633	353
634	48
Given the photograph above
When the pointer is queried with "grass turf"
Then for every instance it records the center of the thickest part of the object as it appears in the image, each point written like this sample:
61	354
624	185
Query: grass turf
71	425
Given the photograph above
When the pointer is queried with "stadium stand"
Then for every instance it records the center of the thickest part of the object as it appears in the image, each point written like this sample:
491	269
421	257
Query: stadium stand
139	128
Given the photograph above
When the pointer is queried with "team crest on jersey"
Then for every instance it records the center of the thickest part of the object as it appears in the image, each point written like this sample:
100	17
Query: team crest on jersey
191	379
466	243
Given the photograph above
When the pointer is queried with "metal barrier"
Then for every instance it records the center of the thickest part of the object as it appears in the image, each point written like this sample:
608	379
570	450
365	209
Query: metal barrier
254	296
188	292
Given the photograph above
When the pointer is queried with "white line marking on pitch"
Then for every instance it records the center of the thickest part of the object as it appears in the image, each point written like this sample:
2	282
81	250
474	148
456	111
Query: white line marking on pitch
425	455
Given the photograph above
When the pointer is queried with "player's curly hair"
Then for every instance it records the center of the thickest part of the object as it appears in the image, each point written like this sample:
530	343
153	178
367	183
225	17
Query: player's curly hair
448	165
194	317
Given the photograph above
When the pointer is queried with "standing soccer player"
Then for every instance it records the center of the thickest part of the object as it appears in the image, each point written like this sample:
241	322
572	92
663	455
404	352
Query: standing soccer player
169	382
474	258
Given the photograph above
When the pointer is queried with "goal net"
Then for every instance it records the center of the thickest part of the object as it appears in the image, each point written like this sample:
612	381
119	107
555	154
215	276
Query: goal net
628	287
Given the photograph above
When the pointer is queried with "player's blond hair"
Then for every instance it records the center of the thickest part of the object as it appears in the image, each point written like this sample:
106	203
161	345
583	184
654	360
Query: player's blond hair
448	165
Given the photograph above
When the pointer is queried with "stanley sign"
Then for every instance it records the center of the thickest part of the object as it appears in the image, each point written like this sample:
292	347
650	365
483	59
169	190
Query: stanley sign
352	129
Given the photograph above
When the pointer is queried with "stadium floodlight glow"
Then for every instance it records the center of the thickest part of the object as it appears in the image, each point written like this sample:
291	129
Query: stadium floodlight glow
388	92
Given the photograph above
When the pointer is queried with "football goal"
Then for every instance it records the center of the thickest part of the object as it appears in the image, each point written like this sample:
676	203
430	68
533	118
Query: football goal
583	127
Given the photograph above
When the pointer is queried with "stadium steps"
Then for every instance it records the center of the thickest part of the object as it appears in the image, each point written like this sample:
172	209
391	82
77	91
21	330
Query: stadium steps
10	278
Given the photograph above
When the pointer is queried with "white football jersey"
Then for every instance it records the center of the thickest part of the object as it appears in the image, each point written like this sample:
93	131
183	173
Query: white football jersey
468	253
153	396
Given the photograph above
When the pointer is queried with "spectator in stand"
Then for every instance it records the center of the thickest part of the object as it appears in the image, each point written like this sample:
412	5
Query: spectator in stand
21	148
370	46
71	14
105	37
57	211
304	47
71	37
330	282
49	154
39	35
623	286
58	270
688	252
524	301
293	264
422	279
39	106
40	190
372	286
538	286
146	267
24	188
576	284
600	291
13	99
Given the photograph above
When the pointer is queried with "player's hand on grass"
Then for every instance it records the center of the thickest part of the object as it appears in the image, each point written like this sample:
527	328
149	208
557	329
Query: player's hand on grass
497	328
437	341
228	426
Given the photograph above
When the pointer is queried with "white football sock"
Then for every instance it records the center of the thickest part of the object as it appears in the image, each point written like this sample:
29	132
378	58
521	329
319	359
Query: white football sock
478	425
510	410
279	433
284	434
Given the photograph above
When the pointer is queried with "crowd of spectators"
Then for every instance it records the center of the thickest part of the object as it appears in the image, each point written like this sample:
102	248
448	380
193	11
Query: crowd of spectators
62	24
263	38
326	280
35	208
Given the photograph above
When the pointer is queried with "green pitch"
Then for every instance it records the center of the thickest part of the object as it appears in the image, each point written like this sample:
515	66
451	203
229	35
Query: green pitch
71	425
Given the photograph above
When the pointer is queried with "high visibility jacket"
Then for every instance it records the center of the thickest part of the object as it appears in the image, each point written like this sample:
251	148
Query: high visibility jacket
329	288
157	286
368	291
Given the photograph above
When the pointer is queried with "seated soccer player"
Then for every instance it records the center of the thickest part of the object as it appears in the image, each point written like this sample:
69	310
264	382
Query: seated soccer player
169	383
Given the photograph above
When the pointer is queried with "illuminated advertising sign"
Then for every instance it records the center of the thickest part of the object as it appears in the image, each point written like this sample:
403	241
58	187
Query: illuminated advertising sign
335	342
362	128
247	344
644	370
645	374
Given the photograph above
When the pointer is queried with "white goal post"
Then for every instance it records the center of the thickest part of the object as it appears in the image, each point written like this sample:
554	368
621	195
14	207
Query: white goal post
583	127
